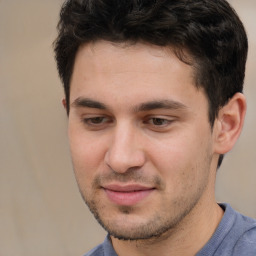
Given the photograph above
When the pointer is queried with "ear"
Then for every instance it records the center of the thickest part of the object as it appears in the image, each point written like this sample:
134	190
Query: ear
64	103
229	123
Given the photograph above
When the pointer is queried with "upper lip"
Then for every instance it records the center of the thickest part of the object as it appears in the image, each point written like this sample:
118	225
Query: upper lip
127	187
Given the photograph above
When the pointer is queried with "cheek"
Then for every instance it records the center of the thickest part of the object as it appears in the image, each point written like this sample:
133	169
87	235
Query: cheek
181	160
171	154
87	154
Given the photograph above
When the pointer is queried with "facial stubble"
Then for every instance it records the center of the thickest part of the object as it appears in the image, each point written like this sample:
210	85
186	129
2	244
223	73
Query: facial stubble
161	224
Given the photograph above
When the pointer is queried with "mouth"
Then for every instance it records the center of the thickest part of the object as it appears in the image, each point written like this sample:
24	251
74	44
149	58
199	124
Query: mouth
127	195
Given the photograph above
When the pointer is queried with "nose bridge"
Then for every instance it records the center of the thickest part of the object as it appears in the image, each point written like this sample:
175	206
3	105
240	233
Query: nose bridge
124	151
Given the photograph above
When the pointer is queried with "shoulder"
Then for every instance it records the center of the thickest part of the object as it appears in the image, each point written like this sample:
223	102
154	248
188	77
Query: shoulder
241	237
246	243
97	251
235	236
104	249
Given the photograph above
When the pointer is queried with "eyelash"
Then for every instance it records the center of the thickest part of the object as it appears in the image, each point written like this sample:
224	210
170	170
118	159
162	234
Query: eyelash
95	121
99	122
154	120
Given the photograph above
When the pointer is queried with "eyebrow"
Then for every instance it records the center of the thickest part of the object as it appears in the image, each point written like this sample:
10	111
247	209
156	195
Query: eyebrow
88	103
160	104
146	106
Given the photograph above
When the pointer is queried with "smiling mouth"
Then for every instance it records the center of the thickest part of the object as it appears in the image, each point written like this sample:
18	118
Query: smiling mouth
127	195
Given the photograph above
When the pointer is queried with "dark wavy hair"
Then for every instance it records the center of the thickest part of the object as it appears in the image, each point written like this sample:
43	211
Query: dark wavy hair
206	34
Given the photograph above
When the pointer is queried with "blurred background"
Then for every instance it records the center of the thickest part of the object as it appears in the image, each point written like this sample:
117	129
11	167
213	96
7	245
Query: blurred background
41	212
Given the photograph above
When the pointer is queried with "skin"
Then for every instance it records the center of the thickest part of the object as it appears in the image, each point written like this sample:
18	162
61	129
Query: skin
137	122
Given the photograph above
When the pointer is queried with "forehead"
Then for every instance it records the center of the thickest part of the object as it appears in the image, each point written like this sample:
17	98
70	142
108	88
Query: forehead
107	71
109	53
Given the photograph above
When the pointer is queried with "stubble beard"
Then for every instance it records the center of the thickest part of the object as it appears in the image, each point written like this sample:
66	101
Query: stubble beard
158	227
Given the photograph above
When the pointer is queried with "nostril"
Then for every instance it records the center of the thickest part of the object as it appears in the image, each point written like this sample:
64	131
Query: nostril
121	162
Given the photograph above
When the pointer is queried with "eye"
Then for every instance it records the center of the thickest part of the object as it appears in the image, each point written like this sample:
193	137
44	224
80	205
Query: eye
158	121
96	122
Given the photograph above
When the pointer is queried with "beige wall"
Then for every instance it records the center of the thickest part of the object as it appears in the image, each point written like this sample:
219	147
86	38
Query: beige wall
41	212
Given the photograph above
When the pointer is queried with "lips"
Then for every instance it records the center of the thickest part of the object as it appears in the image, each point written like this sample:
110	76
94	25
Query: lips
127	195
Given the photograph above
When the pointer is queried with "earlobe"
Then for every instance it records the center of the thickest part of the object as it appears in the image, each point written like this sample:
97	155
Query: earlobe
229	123
64	103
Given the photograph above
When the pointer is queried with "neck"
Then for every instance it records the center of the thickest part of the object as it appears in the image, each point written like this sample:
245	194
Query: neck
186	239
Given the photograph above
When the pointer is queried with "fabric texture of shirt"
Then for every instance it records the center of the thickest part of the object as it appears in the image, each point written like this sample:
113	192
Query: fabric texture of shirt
234	236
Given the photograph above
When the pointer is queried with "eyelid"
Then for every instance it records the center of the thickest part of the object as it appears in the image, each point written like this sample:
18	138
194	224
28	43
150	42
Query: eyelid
94	118
166	119
87	120
163	117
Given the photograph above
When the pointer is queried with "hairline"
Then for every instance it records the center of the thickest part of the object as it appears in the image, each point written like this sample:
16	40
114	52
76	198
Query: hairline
180	52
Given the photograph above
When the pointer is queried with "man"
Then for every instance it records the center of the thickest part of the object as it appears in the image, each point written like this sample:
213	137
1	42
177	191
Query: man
153	93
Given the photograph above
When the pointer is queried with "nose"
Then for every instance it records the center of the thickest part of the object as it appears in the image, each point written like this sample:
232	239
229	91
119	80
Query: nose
125	150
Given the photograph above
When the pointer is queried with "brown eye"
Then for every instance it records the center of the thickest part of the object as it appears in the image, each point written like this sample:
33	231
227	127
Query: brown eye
96	120
159	121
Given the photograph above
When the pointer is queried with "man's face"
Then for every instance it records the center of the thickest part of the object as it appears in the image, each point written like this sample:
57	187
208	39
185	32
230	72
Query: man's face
141	142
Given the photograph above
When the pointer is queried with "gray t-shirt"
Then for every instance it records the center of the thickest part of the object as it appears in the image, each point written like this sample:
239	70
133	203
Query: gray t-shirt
235	235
